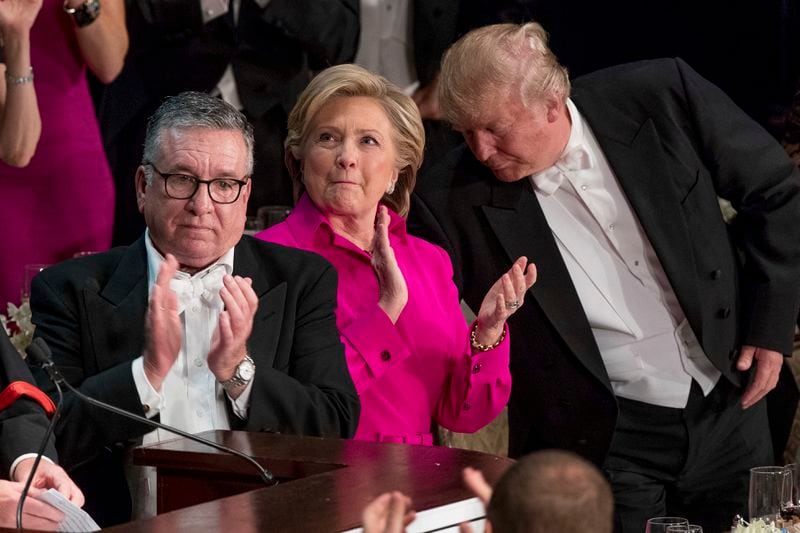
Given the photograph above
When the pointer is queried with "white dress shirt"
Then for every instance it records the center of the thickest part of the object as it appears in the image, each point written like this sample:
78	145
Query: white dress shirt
190	398
649	350
385	44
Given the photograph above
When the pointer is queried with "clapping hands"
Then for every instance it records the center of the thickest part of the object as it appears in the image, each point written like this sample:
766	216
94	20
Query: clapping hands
504	298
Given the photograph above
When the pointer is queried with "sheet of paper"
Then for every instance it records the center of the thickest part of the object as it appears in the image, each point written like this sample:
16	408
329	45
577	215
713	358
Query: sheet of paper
75	518
445	518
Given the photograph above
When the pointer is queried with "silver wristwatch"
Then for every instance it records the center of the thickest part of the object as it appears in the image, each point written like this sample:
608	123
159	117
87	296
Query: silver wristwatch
242	376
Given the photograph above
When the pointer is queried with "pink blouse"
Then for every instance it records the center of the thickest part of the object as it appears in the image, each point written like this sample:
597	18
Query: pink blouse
422	366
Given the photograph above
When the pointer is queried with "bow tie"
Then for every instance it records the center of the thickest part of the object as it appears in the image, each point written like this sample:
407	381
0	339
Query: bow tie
549	180
205	287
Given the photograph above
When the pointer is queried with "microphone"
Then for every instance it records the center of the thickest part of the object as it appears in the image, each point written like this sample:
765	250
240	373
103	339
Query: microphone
40	353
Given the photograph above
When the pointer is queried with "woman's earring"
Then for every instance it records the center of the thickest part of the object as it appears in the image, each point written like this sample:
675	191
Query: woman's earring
390	190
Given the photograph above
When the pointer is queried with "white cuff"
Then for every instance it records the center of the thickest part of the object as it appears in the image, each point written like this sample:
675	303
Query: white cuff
212	9
152	402
241	405
21	458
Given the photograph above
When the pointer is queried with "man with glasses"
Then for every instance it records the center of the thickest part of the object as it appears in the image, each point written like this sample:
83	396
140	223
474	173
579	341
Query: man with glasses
193	324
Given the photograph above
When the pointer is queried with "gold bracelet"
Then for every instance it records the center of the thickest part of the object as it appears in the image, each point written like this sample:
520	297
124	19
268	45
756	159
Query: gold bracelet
473	337
14	80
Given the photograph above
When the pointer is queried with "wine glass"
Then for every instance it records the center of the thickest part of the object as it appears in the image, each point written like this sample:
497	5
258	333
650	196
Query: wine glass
660	524
685	528
30	272
770	492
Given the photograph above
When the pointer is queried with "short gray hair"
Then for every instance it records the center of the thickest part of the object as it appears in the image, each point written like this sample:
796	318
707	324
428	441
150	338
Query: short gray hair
505	56
190	110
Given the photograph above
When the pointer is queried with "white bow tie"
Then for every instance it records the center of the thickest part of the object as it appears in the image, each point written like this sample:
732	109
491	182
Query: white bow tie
205	288
549	180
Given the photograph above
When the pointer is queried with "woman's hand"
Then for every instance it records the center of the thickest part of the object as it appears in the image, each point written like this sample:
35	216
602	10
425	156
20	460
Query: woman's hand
503	300
18	16
393	288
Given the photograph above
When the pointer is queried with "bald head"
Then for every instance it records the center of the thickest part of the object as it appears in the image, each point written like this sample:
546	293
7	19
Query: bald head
551	491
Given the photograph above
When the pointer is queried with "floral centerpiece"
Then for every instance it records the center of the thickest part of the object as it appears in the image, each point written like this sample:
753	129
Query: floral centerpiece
18	325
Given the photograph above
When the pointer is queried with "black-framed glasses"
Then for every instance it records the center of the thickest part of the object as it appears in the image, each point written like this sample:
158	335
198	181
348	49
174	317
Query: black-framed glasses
184	186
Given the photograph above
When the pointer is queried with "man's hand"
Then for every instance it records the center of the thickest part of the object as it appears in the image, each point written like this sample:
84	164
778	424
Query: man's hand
476	483
768	368
162	326
229	343
427	100
49	476
388	513
35	514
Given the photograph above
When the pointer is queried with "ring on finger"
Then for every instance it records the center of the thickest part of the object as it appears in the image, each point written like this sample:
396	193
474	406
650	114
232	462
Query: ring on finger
513	304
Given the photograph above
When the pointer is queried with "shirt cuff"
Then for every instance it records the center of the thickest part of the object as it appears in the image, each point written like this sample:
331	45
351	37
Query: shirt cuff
21	458
152	402
241	405
212	9
377	340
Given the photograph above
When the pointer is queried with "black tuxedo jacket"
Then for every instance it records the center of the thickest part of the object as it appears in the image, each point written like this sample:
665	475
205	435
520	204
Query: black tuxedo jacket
675	143
24	423
272	50
91	312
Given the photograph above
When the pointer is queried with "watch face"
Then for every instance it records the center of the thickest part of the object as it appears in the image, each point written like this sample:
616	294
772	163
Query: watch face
246	370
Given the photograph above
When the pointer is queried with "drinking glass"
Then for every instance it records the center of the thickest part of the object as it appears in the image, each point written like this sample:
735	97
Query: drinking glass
685	528
770	491
30	272
792	508
660	524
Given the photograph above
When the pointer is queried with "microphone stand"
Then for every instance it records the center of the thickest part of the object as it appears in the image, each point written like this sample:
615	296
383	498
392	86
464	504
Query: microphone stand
39	455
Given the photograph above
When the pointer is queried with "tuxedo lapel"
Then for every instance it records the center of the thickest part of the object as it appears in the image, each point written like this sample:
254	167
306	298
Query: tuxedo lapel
267	322
115	312
517	220
645	173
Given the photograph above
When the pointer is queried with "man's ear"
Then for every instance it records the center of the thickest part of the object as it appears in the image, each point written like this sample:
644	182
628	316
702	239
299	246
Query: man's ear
554	108
141	184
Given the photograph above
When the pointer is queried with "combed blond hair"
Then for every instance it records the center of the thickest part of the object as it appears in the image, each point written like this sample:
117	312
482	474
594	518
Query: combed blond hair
350	81
504	57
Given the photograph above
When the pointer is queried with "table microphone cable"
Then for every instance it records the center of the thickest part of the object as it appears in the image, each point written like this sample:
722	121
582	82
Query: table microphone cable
39	454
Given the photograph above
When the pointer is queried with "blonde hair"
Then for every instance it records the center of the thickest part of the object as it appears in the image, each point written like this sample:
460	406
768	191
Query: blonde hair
503	56
350	81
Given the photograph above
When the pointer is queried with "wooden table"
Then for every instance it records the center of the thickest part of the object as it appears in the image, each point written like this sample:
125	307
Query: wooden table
325	483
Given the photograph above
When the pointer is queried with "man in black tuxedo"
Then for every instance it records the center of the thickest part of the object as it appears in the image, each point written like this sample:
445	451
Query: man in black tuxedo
656	328
236	333
256	54
23	424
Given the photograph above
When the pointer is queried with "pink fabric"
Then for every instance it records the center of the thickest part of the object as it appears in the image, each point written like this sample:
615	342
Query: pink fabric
63	201
420	368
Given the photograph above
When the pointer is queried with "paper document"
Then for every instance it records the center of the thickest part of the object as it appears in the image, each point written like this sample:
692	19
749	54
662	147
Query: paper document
445	518
75	518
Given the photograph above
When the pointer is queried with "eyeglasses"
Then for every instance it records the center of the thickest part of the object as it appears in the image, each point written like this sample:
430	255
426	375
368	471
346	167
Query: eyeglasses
184	186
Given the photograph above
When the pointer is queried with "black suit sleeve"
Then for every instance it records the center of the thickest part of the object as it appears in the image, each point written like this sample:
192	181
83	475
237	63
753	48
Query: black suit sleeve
24	423
749	168
315	394
83	430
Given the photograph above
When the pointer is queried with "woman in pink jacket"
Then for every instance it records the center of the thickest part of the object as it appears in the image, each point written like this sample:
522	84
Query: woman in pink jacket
354	145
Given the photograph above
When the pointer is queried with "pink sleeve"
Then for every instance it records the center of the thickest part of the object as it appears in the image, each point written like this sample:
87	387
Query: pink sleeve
479	384
372	347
